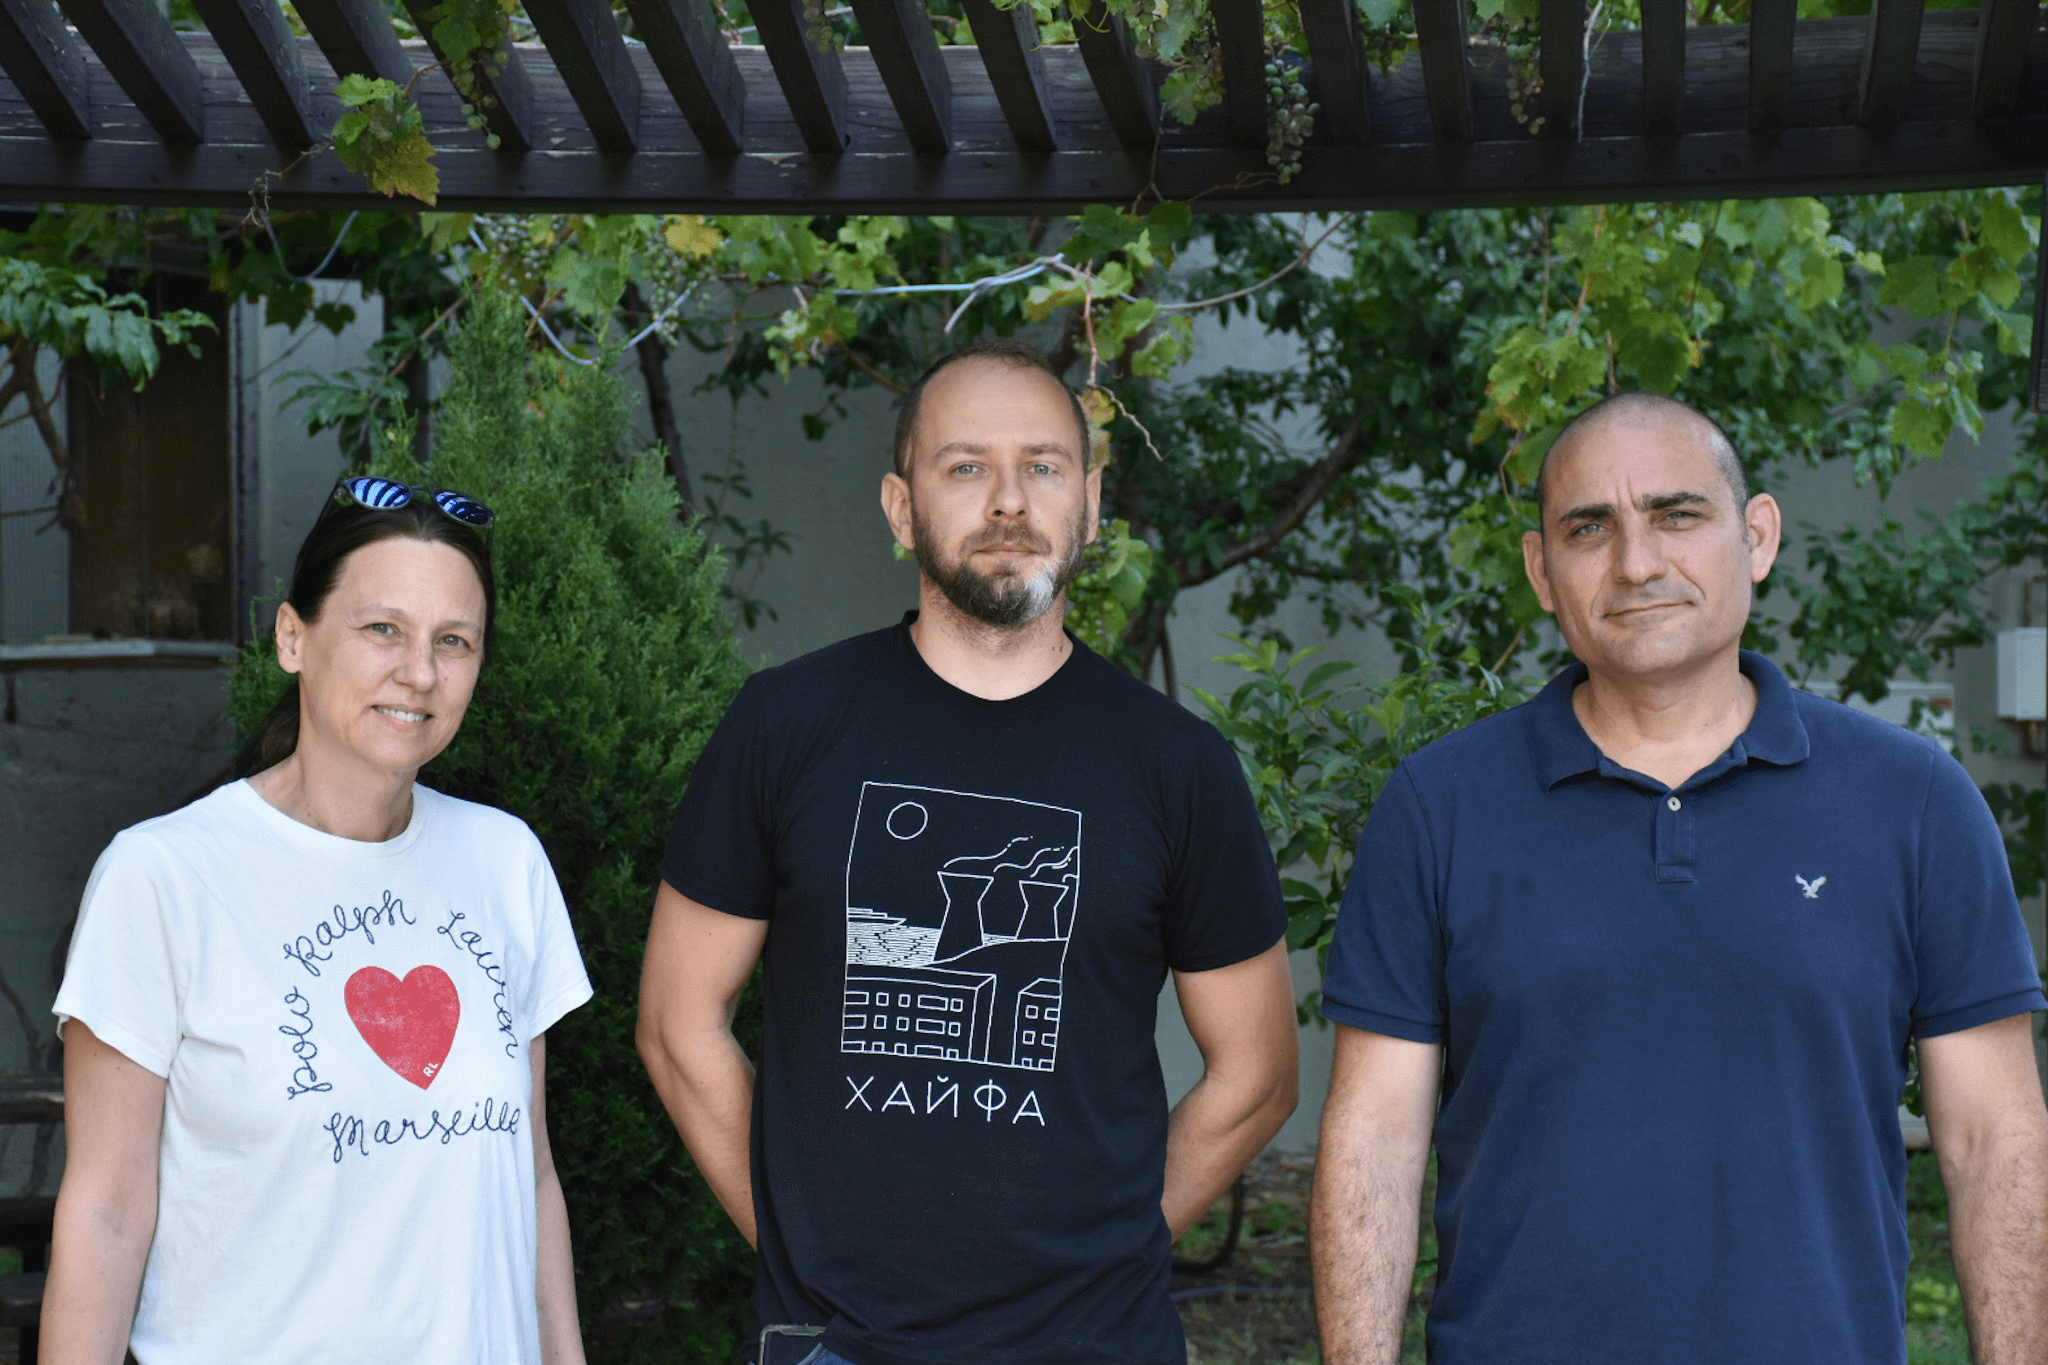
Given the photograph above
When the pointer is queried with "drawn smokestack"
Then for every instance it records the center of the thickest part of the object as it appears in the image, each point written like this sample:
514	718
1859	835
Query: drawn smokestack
961	931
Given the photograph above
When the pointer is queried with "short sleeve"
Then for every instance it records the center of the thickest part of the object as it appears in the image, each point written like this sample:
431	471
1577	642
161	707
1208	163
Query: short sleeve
1223	902
560	983
1386	960
1975	963
120	979
721	852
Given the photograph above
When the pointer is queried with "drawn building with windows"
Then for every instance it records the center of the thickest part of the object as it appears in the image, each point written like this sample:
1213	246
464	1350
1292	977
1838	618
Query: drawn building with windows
1038	1024
919	1012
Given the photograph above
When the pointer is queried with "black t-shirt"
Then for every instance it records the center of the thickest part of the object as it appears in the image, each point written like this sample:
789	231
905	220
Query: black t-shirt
959	1129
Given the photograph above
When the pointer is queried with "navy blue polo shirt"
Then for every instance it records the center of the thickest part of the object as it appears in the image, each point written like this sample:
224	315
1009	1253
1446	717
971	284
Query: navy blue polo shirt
1675	1023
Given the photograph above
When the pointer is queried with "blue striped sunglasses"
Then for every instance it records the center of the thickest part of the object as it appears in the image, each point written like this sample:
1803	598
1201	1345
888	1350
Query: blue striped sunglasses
386	495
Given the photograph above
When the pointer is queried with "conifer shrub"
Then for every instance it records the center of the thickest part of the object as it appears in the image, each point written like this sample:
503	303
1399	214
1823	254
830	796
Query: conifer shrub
611	664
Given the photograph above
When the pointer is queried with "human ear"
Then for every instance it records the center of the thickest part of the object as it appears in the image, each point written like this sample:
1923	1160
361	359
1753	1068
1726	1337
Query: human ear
1094	486
1766	524
1533	566
291	638
896	507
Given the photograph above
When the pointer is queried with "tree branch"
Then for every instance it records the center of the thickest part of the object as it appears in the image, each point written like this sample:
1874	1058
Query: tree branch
661	407
893	386
1320	479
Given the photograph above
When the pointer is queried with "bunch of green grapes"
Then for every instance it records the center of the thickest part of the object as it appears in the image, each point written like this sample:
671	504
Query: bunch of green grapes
1290	115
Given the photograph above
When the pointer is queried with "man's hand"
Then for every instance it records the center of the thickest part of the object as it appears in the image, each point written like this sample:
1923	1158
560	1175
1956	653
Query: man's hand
1365	1215
698	962
1990	1131
1242	1018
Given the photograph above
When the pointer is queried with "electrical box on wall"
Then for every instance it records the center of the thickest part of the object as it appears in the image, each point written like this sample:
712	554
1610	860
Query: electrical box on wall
2023	673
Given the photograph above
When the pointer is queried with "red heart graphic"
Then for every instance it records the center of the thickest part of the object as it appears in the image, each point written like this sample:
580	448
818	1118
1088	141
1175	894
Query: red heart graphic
409	1023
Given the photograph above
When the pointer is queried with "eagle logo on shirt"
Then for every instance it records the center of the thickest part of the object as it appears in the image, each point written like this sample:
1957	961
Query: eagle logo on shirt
1811	888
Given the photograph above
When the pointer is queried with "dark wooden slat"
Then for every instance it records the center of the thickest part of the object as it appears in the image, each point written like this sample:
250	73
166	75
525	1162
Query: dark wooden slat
1440	35
1664	67
906	52
1014	58
583	39
812	79
1770	63
697	66
1562	62
357	37
1241	47
259	45
2003	30
1888	60
1121	80
46	66
144	56
505	100
1341	71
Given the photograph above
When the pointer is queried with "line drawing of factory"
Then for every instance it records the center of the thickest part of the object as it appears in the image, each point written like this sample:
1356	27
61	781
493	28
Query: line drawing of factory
959	907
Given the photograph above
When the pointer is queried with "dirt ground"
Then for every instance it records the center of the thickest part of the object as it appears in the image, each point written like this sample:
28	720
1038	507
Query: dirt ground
1256	1308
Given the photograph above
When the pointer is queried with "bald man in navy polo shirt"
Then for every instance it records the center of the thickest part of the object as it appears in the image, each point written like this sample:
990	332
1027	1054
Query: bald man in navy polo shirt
1661	938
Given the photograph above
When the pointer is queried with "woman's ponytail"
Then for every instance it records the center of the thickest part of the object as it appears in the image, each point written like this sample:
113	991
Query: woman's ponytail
275	737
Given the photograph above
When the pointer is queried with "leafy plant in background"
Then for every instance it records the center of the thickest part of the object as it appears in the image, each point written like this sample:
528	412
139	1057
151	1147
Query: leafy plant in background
1318	750
612	663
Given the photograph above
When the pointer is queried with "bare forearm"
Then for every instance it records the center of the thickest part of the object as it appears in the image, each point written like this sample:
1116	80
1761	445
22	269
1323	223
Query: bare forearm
95	1275
561	1332
1998	1220
1212	1136
707	1086
1365	1219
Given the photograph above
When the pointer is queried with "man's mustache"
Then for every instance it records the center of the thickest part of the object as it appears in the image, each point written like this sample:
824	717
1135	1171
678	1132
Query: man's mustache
1006	538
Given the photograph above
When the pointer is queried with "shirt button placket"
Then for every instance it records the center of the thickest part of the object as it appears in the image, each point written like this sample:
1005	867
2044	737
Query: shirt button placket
1674	844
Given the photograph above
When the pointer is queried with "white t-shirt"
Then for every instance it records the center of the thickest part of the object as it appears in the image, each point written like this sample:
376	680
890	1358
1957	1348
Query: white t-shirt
347	1168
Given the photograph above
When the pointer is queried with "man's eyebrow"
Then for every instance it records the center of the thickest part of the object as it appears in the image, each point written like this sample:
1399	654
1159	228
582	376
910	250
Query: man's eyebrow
1592	511
1660	502
978	448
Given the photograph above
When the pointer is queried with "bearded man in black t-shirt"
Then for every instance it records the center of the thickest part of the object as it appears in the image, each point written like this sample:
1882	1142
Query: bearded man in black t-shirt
970	850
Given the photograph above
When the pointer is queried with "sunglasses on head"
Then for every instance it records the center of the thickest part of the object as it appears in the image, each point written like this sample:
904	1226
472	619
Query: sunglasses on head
386	495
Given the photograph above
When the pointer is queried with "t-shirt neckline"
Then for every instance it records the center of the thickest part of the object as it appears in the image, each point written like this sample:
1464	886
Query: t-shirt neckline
1045	694
319	843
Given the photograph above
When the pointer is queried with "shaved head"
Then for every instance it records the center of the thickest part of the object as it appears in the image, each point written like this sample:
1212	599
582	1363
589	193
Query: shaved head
1646	411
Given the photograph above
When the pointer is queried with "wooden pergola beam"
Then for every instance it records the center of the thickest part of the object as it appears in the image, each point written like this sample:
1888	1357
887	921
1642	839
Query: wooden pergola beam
812	80
1888	60
906	52
2004	28
505	101
697	66
1664	67
1120	78
1343	76
46	66
1561	60
1241	47
583	38
1440	35
1011	53
264	55
1771	25
148	61
357	38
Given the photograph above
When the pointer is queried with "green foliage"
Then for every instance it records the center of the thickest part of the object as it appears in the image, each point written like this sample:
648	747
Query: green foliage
64	308
1109	587
612	664
1318	752
383	137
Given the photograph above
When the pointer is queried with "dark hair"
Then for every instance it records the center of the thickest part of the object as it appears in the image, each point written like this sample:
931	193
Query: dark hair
1619	405
338	532
1014	353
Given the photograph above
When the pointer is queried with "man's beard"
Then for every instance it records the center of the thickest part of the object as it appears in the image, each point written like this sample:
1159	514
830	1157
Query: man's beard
1005	600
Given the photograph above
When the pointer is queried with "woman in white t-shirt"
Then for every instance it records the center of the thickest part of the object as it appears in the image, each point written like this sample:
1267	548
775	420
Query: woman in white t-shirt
304	1057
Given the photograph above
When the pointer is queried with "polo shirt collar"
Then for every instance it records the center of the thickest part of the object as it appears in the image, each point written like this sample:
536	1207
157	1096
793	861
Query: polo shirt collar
1561	748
